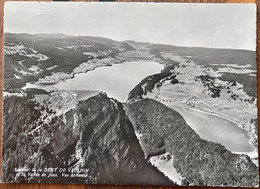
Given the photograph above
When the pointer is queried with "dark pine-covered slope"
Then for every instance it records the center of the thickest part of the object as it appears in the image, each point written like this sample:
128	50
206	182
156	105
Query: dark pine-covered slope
200	162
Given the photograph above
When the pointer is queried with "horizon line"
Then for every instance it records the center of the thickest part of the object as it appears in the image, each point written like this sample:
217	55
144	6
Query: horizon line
217	48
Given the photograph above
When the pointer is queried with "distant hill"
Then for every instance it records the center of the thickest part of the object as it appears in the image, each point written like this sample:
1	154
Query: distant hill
30	57
208	56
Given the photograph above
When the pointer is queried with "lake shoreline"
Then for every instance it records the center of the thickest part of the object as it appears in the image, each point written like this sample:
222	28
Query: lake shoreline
73	74
117	80
201	110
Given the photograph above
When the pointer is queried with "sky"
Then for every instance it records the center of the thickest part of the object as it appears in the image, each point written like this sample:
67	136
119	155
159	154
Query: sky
192	25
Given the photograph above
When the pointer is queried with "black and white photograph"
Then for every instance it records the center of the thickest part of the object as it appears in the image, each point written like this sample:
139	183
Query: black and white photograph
130	94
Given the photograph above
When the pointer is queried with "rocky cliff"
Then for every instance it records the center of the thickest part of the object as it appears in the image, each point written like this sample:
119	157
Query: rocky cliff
96	136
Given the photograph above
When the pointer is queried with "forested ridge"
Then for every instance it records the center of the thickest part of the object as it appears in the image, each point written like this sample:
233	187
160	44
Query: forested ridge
148	83
200	162
26	137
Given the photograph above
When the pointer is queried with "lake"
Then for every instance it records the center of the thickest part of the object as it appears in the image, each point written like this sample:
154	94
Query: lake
217	129
116	80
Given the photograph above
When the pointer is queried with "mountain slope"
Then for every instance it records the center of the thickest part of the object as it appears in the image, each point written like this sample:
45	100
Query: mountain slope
208	56
95	138
200	162
30	57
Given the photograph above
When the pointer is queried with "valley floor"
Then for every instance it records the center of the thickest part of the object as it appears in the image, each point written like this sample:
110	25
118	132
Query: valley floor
195	93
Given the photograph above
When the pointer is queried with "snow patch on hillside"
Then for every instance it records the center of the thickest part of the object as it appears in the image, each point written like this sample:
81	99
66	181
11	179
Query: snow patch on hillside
60	48
235	70
91	54
234	65
52	67
17	76
35	69
5	94
23	72
78	46
164	163
24	51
